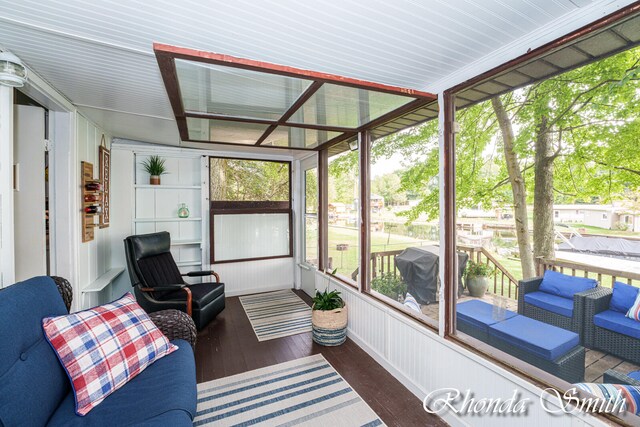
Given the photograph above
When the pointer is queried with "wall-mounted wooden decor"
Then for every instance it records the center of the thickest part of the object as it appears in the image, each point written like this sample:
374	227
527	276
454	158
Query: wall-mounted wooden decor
105	178
92	193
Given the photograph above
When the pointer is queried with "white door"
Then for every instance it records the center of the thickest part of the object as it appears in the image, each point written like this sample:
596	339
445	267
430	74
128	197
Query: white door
29	192
308	262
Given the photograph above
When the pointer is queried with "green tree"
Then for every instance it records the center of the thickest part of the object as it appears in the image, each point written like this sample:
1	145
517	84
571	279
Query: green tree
248	180
571	137
389	186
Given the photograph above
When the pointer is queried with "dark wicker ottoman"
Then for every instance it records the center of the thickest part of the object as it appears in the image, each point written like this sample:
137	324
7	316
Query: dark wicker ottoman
561	355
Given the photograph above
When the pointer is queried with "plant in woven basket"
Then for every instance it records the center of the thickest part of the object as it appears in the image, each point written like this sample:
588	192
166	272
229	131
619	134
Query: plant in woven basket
477	278
329	318
327	301
155	166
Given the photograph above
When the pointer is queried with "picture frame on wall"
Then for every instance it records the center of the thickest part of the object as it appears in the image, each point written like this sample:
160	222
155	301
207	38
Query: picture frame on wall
105	178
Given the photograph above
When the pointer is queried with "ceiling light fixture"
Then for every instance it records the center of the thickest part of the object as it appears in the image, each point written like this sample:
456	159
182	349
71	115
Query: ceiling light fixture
12	72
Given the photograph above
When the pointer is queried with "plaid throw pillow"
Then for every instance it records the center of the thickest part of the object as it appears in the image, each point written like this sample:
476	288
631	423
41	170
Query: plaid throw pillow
634	311
104	347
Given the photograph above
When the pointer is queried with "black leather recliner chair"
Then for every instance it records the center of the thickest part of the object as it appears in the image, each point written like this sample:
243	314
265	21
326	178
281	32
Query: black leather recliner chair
158	283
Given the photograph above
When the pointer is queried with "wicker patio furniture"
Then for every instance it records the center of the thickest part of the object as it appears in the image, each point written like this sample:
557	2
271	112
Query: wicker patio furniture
175	324
608	329
563	308
614	377
550	348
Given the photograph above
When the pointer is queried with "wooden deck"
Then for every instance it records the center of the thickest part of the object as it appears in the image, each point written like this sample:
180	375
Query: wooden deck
228	346
596	362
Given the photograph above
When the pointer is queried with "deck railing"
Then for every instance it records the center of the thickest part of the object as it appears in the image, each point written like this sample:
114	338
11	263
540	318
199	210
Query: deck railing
504	283
605	276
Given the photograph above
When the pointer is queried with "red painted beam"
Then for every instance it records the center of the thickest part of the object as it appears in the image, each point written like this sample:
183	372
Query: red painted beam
267	67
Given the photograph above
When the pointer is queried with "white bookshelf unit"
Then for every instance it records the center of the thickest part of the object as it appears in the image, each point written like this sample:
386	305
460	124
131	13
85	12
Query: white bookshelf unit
156	206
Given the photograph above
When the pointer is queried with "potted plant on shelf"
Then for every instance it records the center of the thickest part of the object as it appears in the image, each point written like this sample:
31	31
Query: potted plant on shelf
329	318
477	278
155	167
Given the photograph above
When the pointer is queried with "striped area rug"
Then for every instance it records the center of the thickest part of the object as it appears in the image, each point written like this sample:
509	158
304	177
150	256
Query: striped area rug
303	392
277	314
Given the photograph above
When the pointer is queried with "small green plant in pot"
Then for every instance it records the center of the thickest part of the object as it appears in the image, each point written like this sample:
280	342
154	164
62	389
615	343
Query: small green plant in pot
329	318
155	167
477	278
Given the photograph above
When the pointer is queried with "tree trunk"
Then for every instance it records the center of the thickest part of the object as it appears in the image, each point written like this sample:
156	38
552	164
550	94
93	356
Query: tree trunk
543	227
218	178
517	188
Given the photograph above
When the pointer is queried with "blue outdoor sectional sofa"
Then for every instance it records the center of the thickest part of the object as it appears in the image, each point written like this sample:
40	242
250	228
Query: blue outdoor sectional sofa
35	390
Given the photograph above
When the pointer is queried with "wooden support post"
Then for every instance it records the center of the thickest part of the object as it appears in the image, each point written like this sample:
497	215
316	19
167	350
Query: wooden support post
449	208
323	210
364	143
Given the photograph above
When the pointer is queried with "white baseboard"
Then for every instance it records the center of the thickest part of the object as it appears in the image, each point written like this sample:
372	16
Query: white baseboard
449	417
240	292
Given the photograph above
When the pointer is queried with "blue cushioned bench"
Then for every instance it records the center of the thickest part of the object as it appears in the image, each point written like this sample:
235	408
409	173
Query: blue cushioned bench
475	317
553	349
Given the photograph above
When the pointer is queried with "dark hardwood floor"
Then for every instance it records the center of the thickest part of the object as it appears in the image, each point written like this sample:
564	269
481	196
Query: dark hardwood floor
228	346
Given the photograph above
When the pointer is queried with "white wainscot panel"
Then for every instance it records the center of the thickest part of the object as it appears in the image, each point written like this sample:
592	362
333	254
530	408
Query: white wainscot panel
190	197
241	278
188	230
366	321
425	362
173	227
190	253
145	203
145	227
189	171
172	177
167	202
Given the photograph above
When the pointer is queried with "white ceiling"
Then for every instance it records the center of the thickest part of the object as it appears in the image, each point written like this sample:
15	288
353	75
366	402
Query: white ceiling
99	54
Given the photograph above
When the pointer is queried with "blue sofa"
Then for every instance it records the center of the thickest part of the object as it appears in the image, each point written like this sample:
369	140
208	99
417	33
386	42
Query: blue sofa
35	390
607	328
556	299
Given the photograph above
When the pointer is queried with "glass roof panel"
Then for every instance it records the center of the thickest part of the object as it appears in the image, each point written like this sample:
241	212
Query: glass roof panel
344	106
224	131
286	136
214	89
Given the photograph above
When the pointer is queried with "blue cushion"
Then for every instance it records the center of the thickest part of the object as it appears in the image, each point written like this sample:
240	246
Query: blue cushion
623	297
549	302
479	314
171	418
32	380
635	375
545	341
168	385
617	322
565	286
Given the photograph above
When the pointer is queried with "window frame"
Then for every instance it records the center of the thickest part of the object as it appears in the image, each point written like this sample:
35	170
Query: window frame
306	214
323	212
518	367
447	326
225	207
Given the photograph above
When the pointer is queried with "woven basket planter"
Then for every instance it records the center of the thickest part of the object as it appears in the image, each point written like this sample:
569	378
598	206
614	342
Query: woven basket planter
329	327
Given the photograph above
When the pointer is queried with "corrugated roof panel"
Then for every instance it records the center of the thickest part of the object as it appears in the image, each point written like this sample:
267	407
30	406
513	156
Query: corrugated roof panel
601	43
567	57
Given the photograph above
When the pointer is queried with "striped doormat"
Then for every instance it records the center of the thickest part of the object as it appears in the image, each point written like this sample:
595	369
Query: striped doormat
277	314
305	392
